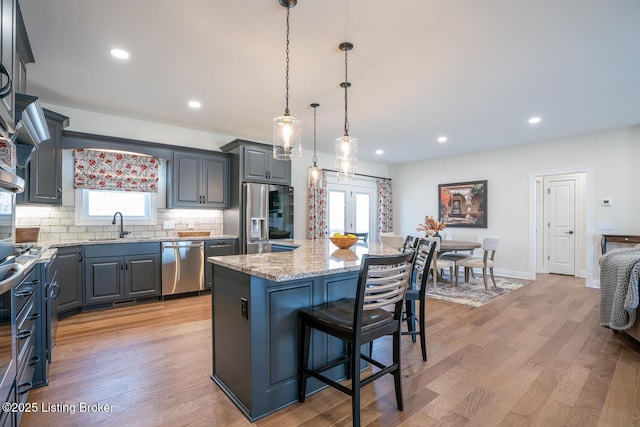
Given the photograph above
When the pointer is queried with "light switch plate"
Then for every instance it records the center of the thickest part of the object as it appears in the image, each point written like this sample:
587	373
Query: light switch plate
604	225
168	225
190	225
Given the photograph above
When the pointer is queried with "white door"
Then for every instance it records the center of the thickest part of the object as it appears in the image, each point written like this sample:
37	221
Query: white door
560	212
351	208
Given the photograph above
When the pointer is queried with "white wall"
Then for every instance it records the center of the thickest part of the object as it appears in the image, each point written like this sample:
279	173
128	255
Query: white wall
610	159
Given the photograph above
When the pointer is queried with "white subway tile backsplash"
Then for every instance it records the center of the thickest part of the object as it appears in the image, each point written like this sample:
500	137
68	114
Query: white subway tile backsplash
57	223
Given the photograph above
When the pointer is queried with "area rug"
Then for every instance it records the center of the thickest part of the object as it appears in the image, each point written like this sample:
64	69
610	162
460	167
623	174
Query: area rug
473	293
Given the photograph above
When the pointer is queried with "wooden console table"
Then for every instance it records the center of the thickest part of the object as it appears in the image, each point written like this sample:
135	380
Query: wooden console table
607	238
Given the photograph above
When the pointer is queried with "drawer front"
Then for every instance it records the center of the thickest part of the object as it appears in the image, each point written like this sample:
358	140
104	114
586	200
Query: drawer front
24	380
623	239
26	330
121	249
24	291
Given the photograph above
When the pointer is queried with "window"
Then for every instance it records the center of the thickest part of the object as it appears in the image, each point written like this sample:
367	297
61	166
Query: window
96	207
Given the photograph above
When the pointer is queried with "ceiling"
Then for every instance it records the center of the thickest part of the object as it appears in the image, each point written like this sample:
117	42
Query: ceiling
473	70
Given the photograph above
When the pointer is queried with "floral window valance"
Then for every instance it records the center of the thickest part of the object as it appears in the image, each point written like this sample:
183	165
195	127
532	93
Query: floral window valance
115	171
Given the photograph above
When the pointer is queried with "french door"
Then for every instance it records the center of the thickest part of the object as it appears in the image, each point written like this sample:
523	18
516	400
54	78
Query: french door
352	208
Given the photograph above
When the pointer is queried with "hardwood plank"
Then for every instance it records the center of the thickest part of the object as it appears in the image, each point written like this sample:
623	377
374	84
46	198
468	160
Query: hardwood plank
535	357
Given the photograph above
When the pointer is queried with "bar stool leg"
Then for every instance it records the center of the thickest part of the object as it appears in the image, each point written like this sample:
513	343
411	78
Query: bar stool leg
303	358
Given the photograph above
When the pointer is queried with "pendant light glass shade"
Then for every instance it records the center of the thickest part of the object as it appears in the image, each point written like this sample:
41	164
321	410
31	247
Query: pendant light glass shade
287	130
346	157
346	145
314	175
287	135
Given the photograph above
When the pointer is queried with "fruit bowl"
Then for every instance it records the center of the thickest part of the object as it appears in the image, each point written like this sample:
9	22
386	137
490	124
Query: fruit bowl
343	242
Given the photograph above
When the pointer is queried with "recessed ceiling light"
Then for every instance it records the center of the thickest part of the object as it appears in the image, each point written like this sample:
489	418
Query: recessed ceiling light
194	104
442	139
379	152
534	120
119	53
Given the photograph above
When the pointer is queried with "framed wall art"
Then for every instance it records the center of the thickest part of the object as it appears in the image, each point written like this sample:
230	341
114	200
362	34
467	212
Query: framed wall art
463	204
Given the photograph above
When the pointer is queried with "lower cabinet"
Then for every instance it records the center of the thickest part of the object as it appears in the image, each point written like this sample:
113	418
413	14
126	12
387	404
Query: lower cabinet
218	247
29	306
121	272
69	280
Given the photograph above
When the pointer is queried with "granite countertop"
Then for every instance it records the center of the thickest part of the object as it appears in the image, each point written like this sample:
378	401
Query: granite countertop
311	258
133	239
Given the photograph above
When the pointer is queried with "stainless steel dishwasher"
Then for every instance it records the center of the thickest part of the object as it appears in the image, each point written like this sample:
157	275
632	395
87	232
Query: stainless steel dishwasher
182	267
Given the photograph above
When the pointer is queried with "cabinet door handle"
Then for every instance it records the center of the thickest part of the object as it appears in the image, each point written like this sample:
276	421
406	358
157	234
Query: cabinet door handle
121	266
25	387
24	294
23	335
6	89
56	290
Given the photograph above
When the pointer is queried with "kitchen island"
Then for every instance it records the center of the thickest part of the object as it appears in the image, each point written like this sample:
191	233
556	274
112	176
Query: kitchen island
255	299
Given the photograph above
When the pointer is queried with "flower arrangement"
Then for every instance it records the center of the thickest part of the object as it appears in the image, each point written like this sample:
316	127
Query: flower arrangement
431	225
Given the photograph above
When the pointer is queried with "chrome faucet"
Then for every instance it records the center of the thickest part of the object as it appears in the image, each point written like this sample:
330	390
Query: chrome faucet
122	232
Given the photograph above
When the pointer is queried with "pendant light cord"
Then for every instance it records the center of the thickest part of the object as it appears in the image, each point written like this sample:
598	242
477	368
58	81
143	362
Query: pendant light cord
286	108
346	85
315	158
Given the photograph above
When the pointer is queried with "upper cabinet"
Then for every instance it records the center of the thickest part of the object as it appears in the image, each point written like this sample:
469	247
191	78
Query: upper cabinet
43	173
259	165
7	59
198	180
256	163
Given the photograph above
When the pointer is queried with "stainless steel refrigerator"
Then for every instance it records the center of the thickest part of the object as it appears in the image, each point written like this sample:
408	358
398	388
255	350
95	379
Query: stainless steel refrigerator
267	215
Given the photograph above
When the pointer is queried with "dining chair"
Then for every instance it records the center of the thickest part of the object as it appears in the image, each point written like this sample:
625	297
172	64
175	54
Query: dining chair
458	255
409	243
489	246
362	237
424	252
382	283
438	264
392	240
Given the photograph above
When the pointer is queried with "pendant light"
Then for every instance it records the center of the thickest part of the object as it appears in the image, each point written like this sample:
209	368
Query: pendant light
287	129
314	171
346	145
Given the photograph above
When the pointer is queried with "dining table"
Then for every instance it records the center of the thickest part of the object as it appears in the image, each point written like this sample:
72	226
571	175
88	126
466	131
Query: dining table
458	245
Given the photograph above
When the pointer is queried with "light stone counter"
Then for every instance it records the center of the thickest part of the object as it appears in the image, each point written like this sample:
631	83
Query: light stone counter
311	258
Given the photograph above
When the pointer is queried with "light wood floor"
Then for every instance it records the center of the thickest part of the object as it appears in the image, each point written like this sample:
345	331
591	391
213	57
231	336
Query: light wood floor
536	357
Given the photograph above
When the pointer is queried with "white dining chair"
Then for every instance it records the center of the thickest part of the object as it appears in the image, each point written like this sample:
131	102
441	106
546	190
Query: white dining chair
489	246
392	240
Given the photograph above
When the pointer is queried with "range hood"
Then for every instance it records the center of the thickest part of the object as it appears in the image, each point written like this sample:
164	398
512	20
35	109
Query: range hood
31	127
